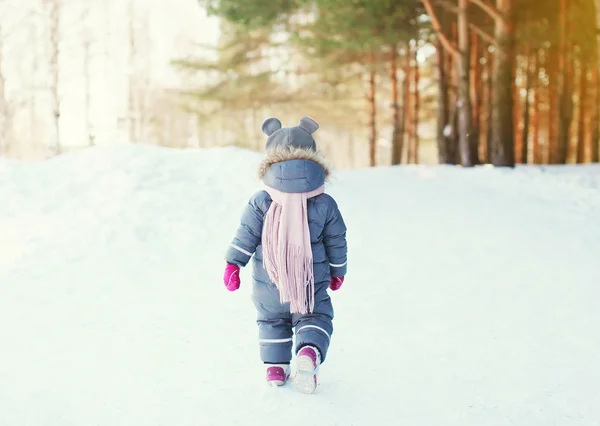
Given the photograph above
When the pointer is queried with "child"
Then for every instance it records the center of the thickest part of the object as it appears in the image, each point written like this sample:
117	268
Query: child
298	238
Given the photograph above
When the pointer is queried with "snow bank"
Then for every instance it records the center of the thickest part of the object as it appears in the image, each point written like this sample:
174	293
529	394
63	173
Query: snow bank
471	298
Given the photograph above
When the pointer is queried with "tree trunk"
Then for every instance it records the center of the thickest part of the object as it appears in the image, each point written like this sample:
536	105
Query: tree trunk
131	93
455	147
55	7
489	108
3	101
372	118
565	90
567	107
396	143
535	116
444	156
516	98
408	109
476	95
503	154
581	131
595	147
88	93
452	70
464	99
484	98
405	102
416	104
553	89
33	81
525	135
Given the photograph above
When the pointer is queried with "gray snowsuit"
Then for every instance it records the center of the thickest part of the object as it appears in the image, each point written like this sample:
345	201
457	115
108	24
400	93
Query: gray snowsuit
292	167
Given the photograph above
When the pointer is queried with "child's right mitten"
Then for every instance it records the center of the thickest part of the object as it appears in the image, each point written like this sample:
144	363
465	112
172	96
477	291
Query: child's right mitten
231	278
335	283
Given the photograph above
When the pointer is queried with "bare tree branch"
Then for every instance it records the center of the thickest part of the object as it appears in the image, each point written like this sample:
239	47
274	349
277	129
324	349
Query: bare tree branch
489	9
454	9
448	45
481	33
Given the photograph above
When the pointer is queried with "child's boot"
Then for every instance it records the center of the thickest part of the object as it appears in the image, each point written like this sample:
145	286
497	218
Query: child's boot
307	366
277	374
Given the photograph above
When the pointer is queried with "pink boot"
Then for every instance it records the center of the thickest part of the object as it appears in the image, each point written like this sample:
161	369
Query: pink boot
277	374
307	366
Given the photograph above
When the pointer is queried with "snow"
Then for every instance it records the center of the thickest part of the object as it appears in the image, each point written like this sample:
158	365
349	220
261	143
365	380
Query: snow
472	296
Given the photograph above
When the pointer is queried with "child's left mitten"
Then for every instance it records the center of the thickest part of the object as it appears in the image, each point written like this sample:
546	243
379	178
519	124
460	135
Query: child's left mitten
231	278
336	283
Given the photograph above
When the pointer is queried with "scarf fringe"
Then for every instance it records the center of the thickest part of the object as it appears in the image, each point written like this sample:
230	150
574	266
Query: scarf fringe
296	283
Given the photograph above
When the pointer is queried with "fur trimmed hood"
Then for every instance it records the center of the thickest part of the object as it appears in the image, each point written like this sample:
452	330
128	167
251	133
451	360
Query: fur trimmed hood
286	153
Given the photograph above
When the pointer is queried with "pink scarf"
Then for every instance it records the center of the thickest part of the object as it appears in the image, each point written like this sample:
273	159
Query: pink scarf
287	250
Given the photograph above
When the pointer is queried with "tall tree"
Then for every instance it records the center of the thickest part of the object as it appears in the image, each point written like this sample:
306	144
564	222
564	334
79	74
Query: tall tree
416	105
535	114
551	147
595	141
595	144
132	119
55	7
396	135
489	110
372	99
86	37
406	113
468	101
502	149
448	54
476	93
5	112
443	112
530	63
565	87
34	71
582	107
465	125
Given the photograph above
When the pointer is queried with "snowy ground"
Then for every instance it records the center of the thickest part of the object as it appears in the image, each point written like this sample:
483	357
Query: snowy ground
472	297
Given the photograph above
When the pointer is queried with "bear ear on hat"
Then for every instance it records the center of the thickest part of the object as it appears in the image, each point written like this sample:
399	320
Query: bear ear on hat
270	126
309	124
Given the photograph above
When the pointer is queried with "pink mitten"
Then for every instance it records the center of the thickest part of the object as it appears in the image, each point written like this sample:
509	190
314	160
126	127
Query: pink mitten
232	277
335	283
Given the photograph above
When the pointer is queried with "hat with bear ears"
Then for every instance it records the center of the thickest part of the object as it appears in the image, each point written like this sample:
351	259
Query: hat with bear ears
299	136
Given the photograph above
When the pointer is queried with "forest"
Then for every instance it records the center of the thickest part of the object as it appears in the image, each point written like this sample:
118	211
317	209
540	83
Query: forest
500	82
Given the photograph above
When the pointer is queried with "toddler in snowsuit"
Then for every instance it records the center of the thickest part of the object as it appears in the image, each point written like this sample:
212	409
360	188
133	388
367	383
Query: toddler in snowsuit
298	238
